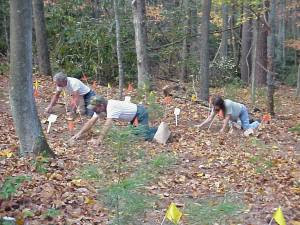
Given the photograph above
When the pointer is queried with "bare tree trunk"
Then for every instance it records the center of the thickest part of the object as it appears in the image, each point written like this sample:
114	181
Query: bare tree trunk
281	33
185	48
139	21
204	52
26	121
271	57
254	64
41	38
246	46
261	54
224	41
119	49
298	83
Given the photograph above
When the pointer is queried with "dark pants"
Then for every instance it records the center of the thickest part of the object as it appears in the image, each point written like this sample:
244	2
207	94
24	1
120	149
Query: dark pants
143	128
87	98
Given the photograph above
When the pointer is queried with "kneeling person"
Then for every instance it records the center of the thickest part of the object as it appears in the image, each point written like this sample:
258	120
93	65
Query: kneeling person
117	110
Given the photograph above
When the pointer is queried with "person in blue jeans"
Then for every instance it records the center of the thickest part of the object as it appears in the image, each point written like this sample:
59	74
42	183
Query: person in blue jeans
230	111
116	110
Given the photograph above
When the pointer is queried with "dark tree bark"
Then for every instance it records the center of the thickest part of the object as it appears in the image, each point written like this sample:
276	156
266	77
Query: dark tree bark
298	83
185	43
139	21
254	60
25	117
261	54
203	92
245	65
119	49
41	38
271	57
224	41
281	33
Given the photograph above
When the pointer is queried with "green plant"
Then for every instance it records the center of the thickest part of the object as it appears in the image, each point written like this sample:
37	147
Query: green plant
90	172
40	163
295	129
4	68
213	210
52	213
125	196
11	185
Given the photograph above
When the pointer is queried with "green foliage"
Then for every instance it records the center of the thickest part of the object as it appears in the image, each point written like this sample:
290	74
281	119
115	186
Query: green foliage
52	213
213	210
84	44
90	172
4	68
155	110
295	129
40	164
125	196
224	71
11	185
4	26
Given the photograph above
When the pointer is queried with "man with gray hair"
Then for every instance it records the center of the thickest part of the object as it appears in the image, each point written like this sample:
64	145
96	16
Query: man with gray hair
137	115
80	93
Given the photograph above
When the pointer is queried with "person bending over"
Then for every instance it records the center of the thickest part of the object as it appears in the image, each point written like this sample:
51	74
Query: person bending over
231	111
81	94
116	110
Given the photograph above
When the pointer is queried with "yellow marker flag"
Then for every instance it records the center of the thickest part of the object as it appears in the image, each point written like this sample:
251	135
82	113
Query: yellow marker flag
108	85
194	98
64	93
278	217
173	213
36	84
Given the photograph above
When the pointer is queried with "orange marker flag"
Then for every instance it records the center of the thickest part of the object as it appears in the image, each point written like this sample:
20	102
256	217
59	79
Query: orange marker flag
71	125
266	118
130	87
167	100
36	93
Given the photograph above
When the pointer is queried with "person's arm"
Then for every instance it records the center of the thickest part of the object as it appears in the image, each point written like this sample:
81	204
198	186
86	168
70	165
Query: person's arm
208	119
87	126
75	100
225	123
106	127
53	101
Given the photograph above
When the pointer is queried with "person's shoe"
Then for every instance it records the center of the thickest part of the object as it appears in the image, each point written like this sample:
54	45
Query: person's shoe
248	132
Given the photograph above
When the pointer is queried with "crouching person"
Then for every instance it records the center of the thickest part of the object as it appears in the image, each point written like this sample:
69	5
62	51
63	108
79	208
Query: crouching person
80	93
116	110
230	111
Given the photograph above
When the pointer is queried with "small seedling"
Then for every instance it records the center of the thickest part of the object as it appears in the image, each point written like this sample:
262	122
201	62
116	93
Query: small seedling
11	185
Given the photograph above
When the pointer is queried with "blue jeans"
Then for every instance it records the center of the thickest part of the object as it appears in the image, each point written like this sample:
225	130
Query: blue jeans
143	128
87	98
244	117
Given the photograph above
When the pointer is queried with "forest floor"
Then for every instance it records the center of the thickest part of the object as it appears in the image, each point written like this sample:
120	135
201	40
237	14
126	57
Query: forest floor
213	178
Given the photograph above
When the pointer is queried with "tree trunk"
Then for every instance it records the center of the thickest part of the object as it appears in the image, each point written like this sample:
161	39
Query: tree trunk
185	47
281	33
139	21
254	64
41	38
298	82
224	41
204	52
271	58
119	49
261	54
26	121
245	65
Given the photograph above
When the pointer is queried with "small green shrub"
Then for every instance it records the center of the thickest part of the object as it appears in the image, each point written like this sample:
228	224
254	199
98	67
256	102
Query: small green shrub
11	185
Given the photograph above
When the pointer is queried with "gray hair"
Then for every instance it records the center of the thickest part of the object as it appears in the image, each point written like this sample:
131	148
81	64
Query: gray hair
60	77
